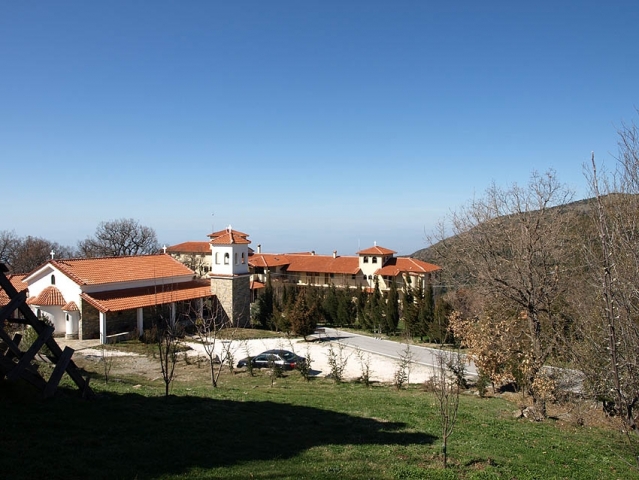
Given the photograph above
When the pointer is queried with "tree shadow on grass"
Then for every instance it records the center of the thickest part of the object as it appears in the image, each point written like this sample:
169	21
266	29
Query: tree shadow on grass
133	436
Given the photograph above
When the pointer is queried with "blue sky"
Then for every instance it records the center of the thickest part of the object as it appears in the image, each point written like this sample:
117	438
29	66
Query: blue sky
309	125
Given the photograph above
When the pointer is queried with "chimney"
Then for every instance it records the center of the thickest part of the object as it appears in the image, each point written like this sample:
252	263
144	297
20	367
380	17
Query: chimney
334	253
259	248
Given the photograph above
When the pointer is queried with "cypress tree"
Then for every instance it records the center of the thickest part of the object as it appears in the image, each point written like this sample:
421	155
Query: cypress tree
409	311
392	309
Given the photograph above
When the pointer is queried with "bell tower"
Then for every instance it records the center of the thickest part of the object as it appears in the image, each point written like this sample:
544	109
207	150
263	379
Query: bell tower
230	277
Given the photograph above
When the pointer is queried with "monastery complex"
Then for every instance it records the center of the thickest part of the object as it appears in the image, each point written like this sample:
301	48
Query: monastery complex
108	297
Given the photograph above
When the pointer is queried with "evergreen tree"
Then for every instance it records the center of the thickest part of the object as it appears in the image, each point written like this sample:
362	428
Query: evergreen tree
330	305
409	311
438	330
345	307
426	311
376	309
362	302
265	301
303	316
392	309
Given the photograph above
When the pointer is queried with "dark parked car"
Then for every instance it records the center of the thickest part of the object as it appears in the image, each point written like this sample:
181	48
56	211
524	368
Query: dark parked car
283	358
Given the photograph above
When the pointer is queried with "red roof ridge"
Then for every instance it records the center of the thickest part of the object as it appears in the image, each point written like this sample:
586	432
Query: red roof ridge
376	250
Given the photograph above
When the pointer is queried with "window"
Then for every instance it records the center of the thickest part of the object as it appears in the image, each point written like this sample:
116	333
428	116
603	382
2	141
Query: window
353	277
52	279
227	257
217	258
370	277
364	276
243	258
374	259
235	259
365	259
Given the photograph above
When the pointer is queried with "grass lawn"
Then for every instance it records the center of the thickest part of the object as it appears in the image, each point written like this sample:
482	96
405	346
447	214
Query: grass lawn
291	430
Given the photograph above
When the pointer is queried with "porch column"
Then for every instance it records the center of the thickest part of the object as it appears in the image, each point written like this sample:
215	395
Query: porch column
103	328
140	318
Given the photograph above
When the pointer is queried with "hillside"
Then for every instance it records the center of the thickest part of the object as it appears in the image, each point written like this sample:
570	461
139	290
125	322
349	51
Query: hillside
579	215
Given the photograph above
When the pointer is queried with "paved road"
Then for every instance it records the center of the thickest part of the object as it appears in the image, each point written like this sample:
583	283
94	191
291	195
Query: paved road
421	355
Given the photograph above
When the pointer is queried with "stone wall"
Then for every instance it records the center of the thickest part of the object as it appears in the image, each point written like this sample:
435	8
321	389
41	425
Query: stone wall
89	325
117	322
234	296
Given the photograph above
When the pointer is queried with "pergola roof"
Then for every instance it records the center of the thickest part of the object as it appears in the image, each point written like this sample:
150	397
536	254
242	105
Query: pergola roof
127	299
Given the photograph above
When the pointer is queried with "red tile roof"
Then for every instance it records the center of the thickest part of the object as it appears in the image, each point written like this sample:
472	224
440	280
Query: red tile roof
50	296
323	264
306	262
255	285
118	300
395	266
226	230
18	284
71	307
376	251
190	247
96	271
230	238
266	260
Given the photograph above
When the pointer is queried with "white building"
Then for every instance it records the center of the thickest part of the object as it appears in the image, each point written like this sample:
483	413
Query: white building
101	297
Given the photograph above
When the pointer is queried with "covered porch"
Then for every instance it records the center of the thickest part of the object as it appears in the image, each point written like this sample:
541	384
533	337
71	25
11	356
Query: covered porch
112	314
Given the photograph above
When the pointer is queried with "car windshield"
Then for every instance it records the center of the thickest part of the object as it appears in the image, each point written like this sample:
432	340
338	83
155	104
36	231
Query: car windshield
287	355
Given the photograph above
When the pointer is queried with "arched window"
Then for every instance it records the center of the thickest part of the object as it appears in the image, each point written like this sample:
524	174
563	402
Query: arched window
370	277
365	259
217	258
374	259
235	258
227	257
242	258
52	279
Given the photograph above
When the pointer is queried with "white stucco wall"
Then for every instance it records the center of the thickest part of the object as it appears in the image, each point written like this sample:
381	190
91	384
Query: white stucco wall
237	265
67	287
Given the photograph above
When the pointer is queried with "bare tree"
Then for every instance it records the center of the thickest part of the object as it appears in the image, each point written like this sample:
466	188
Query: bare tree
364	365
106	357
216	332
520	265
9	242
208	330
609	353
404	367
337	360
446	389
167	334
31	252
120	237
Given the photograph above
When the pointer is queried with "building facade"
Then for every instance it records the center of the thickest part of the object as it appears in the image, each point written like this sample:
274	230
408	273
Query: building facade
105	297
